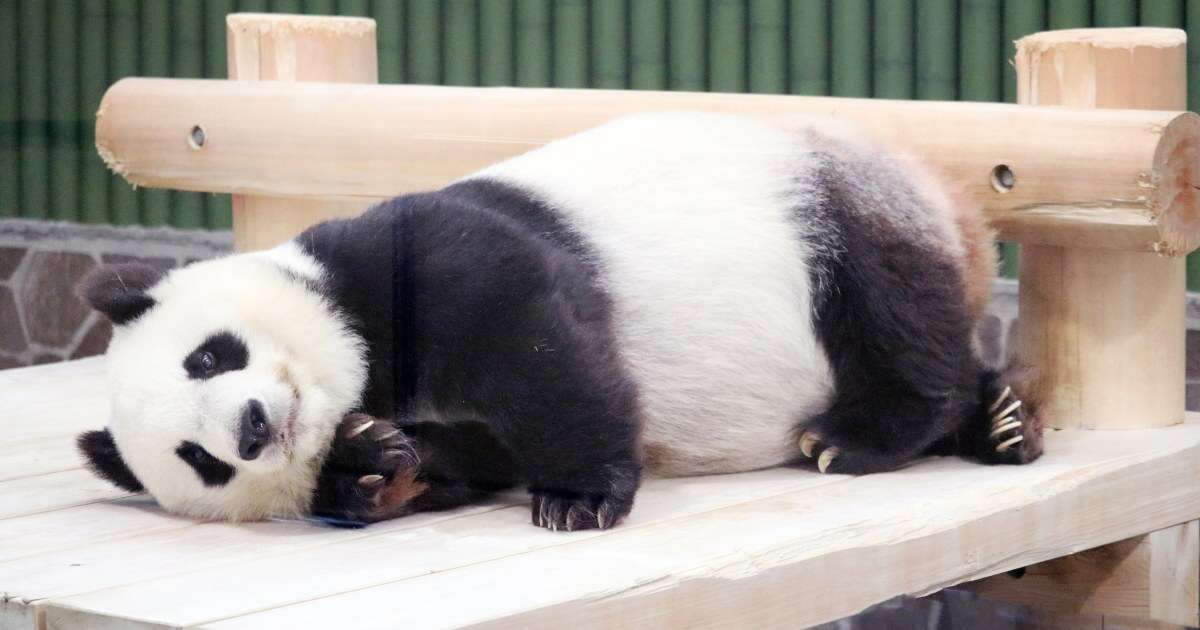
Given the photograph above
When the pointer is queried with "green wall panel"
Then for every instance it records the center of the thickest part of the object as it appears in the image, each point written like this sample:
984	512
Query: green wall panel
58	56
648	45
34	75
808	41
850	30
893	72
63	130
10	109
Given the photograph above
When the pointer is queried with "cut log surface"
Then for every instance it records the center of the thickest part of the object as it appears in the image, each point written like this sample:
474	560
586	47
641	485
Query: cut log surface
774	548
1109	179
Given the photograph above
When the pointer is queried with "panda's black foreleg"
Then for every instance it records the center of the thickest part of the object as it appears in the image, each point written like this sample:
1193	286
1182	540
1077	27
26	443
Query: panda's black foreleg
566	410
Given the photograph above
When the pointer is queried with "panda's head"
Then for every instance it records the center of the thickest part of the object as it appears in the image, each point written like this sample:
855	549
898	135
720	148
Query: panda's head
227	378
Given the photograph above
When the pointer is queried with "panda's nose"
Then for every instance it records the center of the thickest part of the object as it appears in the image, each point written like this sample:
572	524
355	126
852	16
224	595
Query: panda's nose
255	431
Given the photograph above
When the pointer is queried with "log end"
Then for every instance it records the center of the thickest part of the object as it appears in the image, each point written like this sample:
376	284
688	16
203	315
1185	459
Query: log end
275	23
1175	179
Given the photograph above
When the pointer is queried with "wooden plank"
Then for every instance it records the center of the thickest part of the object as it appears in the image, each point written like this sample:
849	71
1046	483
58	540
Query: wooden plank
1148	577
53	491
923	529
450	544
937	523
1174	580
387	139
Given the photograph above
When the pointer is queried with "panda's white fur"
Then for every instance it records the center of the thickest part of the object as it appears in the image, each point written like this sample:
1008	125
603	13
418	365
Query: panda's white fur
305	367
693	219
696	227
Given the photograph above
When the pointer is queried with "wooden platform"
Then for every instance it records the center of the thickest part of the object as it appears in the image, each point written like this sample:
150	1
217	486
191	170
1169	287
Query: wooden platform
776	547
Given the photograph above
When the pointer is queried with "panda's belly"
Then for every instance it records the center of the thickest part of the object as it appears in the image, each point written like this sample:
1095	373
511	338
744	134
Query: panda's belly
697	242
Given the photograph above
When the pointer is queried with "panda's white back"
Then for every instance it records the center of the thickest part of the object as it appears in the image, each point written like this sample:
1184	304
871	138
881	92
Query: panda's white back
693	220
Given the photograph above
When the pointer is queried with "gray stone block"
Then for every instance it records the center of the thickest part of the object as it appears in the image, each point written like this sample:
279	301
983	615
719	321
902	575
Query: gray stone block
53	313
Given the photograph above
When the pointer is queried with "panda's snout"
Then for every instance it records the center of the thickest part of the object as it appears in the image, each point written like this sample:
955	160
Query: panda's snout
255	431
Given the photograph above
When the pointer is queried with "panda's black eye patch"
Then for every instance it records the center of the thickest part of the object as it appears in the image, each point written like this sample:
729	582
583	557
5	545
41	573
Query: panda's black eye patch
212	471
221	352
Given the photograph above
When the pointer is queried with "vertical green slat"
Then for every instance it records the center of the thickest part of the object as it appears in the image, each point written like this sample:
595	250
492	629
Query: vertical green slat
570	43
424	41
851	31
328	7
460	45
496	42
1161	13
187	62
1115	12
893	52
33	108
937	50
980	63
354	7
648	45
244	6
1069	13
66	150
727	46
93	49
156	62
1193	271
809	28
1021	18
768	46
10	110
389	34
688	47
610	52
533	43
285	6
124	35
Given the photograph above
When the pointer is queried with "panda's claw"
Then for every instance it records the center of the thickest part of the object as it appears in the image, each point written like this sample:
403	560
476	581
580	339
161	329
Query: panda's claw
358	430
370	481
827	457
391	433
1003	426
808	442
1000	400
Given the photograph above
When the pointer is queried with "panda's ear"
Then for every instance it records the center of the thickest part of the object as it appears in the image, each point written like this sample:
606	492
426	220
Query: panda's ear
119	291
105	460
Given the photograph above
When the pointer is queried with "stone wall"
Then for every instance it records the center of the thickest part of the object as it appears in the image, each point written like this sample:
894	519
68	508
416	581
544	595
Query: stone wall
41	318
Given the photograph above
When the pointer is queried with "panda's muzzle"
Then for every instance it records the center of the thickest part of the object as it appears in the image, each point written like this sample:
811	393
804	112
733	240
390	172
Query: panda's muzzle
255	431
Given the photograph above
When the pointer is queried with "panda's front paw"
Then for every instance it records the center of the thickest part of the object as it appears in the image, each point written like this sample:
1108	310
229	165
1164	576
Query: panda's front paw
369	474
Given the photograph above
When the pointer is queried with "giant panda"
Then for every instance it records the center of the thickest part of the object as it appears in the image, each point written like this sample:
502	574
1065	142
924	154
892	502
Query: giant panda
678	293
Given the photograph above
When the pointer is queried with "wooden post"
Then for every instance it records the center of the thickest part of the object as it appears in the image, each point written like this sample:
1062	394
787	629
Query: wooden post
1106	330
276	47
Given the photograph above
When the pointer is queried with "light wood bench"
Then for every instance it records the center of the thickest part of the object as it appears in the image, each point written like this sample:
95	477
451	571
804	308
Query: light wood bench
1103	200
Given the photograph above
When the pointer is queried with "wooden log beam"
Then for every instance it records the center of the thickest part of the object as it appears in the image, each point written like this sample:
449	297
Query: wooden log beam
1112	179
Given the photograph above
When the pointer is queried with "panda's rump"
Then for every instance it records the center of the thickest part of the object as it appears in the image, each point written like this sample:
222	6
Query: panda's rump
698	242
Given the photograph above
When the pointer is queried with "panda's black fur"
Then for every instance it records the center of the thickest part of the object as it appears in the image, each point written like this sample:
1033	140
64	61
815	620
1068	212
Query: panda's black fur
495	351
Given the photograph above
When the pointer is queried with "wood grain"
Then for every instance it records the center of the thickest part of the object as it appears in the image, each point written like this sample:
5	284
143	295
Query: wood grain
1081	177
291	48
